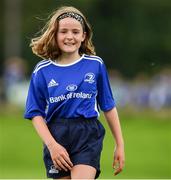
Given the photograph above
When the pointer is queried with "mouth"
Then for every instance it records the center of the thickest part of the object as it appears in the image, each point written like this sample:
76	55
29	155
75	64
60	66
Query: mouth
69	44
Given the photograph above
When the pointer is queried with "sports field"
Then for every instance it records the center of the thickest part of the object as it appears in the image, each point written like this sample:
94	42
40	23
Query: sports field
147	137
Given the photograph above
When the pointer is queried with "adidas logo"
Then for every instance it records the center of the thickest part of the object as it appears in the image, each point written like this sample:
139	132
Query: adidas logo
53	170
52	83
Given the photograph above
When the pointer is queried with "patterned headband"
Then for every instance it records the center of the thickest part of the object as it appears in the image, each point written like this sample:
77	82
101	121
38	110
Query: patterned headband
72	15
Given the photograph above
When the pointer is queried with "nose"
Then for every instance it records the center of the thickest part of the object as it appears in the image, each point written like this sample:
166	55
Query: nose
69	35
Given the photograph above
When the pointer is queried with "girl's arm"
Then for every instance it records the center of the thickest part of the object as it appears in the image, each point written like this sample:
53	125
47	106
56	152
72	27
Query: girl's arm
114	124
59	155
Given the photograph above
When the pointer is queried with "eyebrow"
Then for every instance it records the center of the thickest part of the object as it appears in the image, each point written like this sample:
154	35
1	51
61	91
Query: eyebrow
75	29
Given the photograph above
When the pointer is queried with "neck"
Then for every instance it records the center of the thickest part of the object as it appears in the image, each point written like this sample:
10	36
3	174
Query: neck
66	58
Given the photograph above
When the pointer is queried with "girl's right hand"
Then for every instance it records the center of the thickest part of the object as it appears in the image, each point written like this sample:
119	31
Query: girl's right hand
60	157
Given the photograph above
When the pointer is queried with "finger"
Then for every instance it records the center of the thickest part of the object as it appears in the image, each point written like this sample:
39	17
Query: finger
122	164
59	163
119	167
56	166
115	164
67	159
66	164
66	153
118	171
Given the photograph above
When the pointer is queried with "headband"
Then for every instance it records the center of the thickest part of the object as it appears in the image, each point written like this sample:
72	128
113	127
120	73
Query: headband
72	15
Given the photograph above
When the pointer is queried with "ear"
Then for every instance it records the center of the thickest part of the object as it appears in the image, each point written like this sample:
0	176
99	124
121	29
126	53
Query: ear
83	36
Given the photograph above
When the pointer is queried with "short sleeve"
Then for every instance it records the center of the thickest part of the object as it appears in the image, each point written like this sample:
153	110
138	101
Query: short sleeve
36	100
104	97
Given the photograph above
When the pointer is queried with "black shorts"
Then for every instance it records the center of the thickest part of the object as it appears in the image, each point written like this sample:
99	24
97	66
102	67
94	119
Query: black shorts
83	140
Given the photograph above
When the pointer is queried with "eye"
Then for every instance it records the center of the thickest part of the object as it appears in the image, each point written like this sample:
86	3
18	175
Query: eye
63	32
75	32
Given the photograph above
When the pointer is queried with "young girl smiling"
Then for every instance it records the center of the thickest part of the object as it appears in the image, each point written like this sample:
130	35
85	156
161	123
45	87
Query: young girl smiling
67	90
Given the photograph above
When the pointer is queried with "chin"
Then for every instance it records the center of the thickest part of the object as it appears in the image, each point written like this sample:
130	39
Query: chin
69	51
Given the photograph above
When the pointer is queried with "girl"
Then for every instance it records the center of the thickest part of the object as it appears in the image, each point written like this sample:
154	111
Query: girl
65	94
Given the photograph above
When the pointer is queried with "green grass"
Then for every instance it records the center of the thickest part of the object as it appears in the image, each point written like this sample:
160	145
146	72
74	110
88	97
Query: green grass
147	137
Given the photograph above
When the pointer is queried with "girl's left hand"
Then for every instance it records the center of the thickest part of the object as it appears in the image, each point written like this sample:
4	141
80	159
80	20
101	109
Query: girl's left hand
119	160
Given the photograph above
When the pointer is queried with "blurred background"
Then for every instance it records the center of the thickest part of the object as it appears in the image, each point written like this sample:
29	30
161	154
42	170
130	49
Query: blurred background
134	39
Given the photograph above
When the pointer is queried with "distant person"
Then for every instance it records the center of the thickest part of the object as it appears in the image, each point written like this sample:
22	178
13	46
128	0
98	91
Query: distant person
65	92
14	71
13	76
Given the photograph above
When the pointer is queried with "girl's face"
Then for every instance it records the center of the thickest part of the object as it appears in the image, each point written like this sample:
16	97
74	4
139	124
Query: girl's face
70	35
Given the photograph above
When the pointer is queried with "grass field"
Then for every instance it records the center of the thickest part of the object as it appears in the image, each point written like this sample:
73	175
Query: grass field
147	137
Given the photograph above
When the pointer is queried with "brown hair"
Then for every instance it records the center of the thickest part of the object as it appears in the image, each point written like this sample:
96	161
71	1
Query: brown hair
45	45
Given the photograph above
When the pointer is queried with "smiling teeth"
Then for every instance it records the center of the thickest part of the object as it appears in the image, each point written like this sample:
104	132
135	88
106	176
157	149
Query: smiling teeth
69	44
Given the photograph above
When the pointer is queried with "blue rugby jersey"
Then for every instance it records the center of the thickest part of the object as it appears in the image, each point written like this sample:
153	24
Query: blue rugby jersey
69	91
